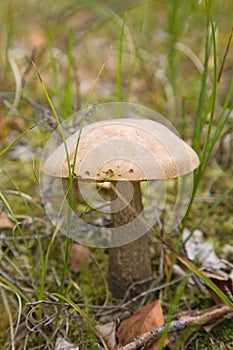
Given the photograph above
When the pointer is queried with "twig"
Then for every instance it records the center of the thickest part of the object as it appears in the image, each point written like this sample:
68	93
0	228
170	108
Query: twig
10	94
97	309
207	316
44	113
149	291
133	285
23	195
24	238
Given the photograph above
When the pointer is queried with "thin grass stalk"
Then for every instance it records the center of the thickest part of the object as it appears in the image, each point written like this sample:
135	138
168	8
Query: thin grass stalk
119	64
53	64
183	118
206	149
12	143
173	29
177	295
17	225
66	105
5	282
203	112
135	55
71	172
209	211
70	197
202	97
219	129
40	279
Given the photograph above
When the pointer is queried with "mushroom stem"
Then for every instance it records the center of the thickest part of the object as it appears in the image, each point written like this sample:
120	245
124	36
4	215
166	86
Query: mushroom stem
128	264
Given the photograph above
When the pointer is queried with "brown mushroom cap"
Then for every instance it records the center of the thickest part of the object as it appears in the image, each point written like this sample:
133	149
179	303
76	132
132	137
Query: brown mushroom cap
123	150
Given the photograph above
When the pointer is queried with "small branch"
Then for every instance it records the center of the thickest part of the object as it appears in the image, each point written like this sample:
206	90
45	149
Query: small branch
11	95
124	303
148	338
200	318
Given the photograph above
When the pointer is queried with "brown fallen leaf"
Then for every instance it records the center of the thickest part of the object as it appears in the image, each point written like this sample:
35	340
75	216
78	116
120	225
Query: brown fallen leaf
194	318
5	222
225	284
145	319
79	256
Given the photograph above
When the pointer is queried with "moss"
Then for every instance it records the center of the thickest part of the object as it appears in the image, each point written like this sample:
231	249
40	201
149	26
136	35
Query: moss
220	337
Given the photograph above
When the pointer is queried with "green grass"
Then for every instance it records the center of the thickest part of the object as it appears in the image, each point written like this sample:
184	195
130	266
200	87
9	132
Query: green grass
207	109
124	67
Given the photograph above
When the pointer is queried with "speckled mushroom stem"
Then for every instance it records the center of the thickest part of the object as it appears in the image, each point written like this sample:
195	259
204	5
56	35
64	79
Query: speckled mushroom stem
128	264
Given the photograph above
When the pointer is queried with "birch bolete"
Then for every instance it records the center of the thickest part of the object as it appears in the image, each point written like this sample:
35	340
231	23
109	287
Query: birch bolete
125	152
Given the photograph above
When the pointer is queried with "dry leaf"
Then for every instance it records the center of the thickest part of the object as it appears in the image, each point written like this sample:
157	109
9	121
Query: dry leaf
5	222
225	284
79	256
145	319
107	332
202	251
62	344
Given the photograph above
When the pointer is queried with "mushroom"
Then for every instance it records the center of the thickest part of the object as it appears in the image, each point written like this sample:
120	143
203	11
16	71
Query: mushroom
125	152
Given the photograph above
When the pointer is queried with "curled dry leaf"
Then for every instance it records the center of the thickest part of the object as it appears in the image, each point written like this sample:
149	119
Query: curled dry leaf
79	256
145	319
225	284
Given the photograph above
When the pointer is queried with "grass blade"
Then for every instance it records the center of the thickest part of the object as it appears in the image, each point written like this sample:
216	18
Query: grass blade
11	144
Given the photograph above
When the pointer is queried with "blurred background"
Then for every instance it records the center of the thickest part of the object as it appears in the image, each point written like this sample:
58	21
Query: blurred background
82	55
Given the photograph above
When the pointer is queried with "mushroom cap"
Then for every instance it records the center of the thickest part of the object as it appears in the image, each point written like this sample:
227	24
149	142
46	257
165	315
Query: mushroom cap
123	150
